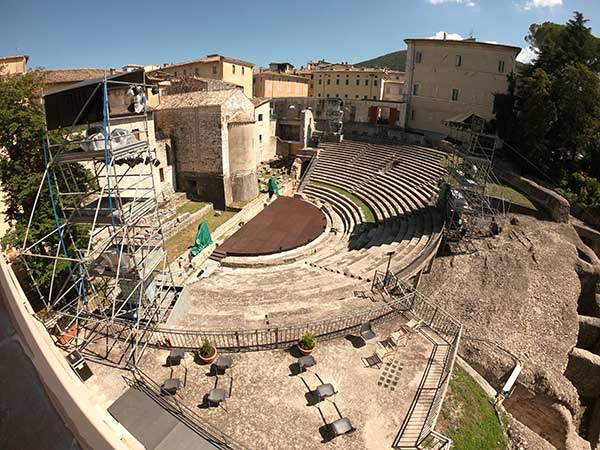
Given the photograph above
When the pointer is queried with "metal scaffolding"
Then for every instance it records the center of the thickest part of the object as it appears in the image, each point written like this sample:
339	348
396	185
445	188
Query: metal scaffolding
108	236
471	211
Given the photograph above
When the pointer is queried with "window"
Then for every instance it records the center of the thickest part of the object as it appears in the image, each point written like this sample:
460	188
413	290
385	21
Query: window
233	69
358	82
413	115
328	81
327	95
364	97
415	89
161	174
356	96
318	95
184	72
347	81
214	70
374	97
458	60
345	95
374	82
243	70
320	81
337	81
175	73
260	117
455	93
419	58
501	66
196	71
366	82
260	138
337	95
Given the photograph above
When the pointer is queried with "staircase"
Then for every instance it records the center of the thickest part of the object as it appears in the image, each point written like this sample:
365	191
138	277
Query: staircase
414	429
218	255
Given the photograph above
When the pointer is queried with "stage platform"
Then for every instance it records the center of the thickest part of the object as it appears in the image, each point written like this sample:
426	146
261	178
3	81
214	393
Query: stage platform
285	224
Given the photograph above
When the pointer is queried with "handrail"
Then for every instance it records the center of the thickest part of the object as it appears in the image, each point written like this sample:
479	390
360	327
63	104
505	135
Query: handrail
189	417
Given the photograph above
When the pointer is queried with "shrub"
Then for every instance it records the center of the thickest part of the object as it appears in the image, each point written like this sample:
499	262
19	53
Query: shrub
582	189
206	349
308	341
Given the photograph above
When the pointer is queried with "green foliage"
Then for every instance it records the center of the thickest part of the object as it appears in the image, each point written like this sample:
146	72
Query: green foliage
367	212
582	189
206	349
552	114
392	61
468	417
22	171
308	341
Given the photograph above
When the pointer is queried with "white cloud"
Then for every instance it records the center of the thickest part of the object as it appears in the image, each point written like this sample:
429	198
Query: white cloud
449	36
460	2
527	55
532	4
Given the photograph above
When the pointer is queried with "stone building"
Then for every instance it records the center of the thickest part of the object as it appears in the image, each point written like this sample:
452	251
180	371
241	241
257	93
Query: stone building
213	149
13	64
447	78
217	67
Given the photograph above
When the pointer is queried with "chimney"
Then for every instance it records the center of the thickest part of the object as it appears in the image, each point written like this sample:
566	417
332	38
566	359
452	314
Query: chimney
444	35
112	70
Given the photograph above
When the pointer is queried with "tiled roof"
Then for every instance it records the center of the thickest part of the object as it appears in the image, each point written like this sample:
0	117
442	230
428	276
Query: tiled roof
2	58
211	58
259	101
73	75
195	99
241	117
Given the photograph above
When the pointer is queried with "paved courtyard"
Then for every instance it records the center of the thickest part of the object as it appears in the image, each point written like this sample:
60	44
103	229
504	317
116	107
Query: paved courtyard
271	405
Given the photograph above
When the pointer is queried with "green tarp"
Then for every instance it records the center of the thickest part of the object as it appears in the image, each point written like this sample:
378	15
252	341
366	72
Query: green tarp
203	239
273	186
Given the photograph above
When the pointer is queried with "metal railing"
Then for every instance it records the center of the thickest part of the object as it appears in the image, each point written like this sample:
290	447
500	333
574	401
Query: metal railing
175	406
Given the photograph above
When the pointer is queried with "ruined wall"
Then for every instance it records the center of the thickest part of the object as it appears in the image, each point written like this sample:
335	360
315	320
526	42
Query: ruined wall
197	150
549	200
242	162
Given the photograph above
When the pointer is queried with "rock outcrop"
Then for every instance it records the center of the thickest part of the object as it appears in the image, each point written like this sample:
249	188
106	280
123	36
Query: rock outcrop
517	296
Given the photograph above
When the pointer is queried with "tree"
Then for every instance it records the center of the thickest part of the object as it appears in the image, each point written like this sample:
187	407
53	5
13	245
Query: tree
536	109
22	169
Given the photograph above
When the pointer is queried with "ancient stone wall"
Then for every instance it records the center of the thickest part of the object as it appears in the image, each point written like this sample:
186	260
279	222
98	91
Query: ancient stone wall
556	205
242	162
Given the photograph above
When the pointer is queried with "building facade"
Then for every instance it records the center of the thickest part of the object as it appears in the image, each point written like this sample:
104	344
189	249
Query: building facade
280	84
265	140
217	67
348	82
10	65
446	78
213	149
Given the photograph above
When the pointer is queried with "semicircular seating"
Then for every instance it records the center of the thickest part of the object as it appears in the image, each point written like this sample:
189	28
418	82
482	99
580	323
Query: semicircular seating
397	184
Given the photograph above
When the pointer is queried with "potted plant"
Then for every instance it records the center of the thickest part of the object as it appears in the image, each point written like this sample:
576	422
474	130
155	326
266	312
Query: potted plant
207	353
307	343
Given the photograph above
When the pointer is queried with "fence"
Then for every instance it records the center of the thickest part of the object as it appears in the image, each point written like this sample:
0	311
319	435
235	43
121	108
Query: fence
186	415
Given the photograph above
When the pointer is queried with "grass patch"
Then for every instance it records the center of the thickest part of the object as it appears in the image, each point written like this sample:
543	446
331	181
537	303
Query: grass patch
468	418
190	207
179	243
369	216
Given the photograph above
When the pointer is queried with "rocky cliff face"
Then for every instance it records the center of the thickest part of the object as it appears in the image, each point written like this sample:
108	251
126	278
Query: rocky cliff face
518	295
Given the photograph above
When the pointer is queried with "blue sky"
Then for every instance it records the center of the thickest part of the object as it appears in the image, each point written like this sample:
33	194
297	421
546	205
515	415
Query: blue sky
69	34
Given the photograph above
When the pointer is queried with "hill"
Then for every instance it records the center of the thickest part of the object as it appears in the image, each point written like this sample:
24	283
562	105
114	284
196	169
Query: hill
393	61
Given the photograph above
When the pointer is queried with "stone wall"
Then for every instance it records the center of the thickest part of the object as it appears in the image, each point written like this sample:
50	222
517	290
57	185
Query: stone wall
242	162
556	205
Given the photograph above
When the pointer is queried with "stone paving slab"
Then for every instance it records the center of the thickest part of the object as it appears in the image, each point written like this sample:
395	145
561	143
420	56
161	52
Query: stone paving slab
271	406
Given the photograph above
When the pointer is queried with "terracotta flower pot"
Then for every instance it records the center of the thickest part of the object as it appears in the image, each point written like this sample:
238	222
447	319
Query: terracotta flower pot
303	350
210	358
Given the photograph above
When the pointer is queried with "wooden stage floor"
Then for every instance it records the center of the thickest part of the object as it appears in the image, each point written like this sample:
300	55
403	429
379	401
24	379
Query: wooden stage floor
285	224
